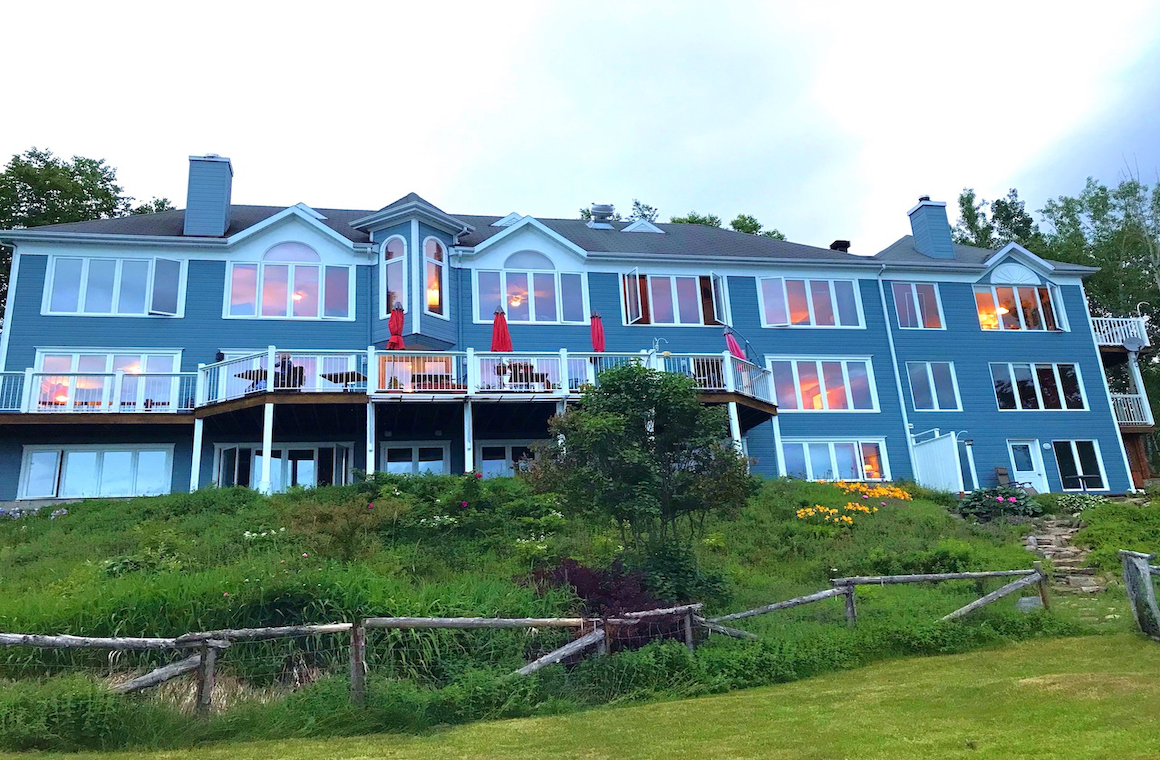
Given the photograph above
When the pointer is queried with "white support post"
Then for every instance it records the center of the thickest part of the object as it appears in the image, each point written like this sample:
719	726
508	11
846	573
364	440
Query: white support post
1138	383
730	380
472	372
372	372
468	437
195	460
370	463
26	401
734	425
265	485
199	386
271	359
563	389
114	404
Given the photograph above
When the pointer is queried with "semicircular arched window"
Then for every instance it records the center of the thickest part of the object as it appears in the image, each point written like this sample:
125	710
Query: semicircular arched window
290	283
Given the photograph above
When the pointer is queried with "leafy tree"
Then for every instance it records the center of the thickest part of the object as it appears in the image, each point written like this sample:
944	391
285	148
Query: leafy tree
709	220
748	224
644	451
1009	222
38	188
642	211
153	206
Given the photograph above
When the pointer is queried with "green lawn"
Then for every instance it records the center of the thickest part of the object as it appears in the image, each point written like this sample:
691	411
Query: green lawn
1093	697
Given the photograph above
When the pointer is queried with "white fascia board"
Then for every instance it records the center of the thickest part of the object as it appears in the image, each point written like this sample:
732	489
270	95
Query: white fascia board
529	221
1018	250
413	209
33	236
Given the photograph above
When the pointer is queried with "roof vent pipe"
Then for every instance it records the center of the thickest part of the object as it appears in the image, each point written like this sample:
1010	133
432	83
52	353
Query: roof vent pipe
602	215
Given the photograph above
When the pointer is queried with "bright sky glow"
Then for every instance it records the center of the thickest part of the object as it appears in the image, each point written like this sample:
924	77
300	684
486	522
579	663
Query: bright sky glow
826	120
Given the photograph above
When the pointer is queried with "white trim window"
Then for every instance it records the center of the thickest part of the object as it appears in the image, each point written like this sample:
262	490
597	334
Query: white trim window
1081	467
496	459
531	296
674	299
306	465
393	275
415	458
789	302
91	471
918	306
934	387
435	278
823	384
1040	386
852	460
290	283
101	287
1018	307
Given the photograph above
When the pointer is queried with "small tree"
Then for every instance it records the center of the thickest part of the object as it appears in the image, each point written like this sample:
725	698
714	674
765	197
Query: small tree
644	451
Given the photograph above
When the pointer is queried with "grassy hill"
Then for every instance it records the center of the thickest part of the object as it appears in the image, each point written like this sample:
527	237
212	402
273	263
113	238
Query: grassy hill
167	565
1079	698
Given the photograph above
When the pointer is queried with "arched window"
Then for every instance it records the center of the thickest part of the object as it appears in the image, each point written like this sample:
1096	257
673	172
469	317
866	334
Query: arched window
529	289
434	268
293	284
391	278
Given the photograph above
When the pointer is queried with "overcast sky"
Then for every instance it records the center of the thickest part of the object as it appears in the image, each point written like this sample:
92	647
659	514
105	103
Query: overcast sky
825	120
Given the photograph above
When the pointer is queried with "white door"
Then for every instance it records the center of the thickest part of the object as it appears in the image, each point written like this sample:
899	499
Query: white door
1027	464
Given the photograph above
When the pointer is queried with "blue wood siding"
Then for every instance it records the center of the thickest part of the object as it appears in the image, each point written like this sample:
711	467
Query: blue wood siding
207	209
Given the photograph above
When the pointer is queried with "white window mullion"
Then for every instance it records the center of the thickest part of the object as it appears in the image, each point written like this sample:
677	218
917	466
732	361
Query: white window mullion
797	388
846	383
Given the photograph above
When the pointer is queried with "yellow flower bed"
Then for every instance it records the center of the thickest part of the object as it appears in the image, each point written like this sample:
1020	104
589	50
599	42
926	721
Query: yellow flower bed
847	514
874	491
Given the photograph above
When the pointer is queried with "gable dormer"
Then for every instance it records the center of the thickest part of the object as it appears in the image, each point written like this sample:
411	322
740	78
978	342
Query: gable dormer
1016	293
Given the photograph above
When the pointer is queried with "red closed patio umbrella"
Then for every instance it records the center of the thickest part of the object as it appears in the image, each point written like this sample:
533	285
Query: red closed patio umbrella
395	325
501	339
732	344
597	333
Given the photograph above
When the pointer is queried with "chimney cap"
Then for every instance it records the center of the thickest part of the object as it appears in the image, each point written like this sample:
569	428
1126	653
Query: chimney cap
840	245
924	199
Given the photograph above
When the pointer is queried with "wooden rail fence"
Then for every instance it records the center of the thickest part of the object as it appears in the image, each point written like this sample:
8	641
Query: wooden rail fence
1138	574
592	632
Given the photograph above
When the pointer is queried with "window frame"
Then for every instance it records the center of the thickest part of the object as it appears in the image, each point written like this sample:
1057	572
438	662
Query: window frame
255	476
818	361
992	289
507	444
914	295
718	284
444	291
115	297
858	441
384	307
291	266
927	363
101	449
1075	454
479	319
854	283
1038	388
414	446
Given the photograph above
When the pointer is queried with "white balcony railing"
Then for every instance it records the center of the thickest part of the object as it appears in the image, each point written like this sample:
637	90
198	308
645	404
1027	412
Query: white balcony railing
100	392
1113	331
11	391
1131	409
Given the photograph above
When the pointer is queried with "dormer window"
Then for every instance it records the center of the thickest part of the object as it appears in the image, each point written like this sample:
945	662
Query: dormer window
435	273
1011	307
289	283
391	279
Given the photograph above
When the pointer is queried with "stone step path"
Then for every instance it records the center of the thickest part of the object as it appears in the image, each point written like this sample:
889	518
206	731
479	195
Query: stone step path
1052	540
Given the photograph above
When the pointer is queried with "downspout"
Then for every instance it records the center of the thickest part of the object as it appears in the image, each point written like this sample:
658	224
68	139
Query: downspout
897	374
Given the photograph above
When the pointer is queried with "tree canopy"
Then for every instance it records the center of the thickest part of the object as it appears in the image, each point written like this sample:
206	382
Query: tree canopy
994	224
746	223
38	188
642	450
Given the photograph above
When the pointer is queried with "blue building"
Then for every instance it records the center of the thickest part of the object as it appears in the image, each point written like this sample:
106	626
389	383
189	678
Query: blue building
246	345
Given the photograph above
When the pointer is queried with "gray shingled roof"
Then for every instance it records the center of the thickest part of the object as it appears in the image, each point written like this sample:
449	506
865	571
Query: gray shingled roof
902	251
691	240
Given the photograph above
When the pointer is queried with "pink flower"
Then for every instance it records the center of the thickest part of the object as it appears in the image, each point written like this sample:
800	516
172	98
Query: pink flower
370	507
998	498
304	554
1012	499
225	593
865	496
882	503
479	474
463	504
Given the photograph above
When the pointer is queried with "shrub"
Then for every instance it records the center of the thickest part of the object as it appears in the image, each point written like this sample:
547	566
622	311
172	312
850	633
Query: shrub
991	503
1119	525
671	572
343	525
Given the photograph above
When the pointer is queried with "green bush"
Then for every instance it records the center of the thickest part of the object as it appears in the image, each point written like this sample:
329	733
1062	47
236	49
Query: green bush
1004	501
1113	526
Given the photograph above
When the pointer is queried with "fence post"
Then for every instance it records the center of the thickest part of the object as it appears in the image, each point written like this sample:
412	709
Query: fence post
1043	597
358	667
851	610
206	677
271	361
688	626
